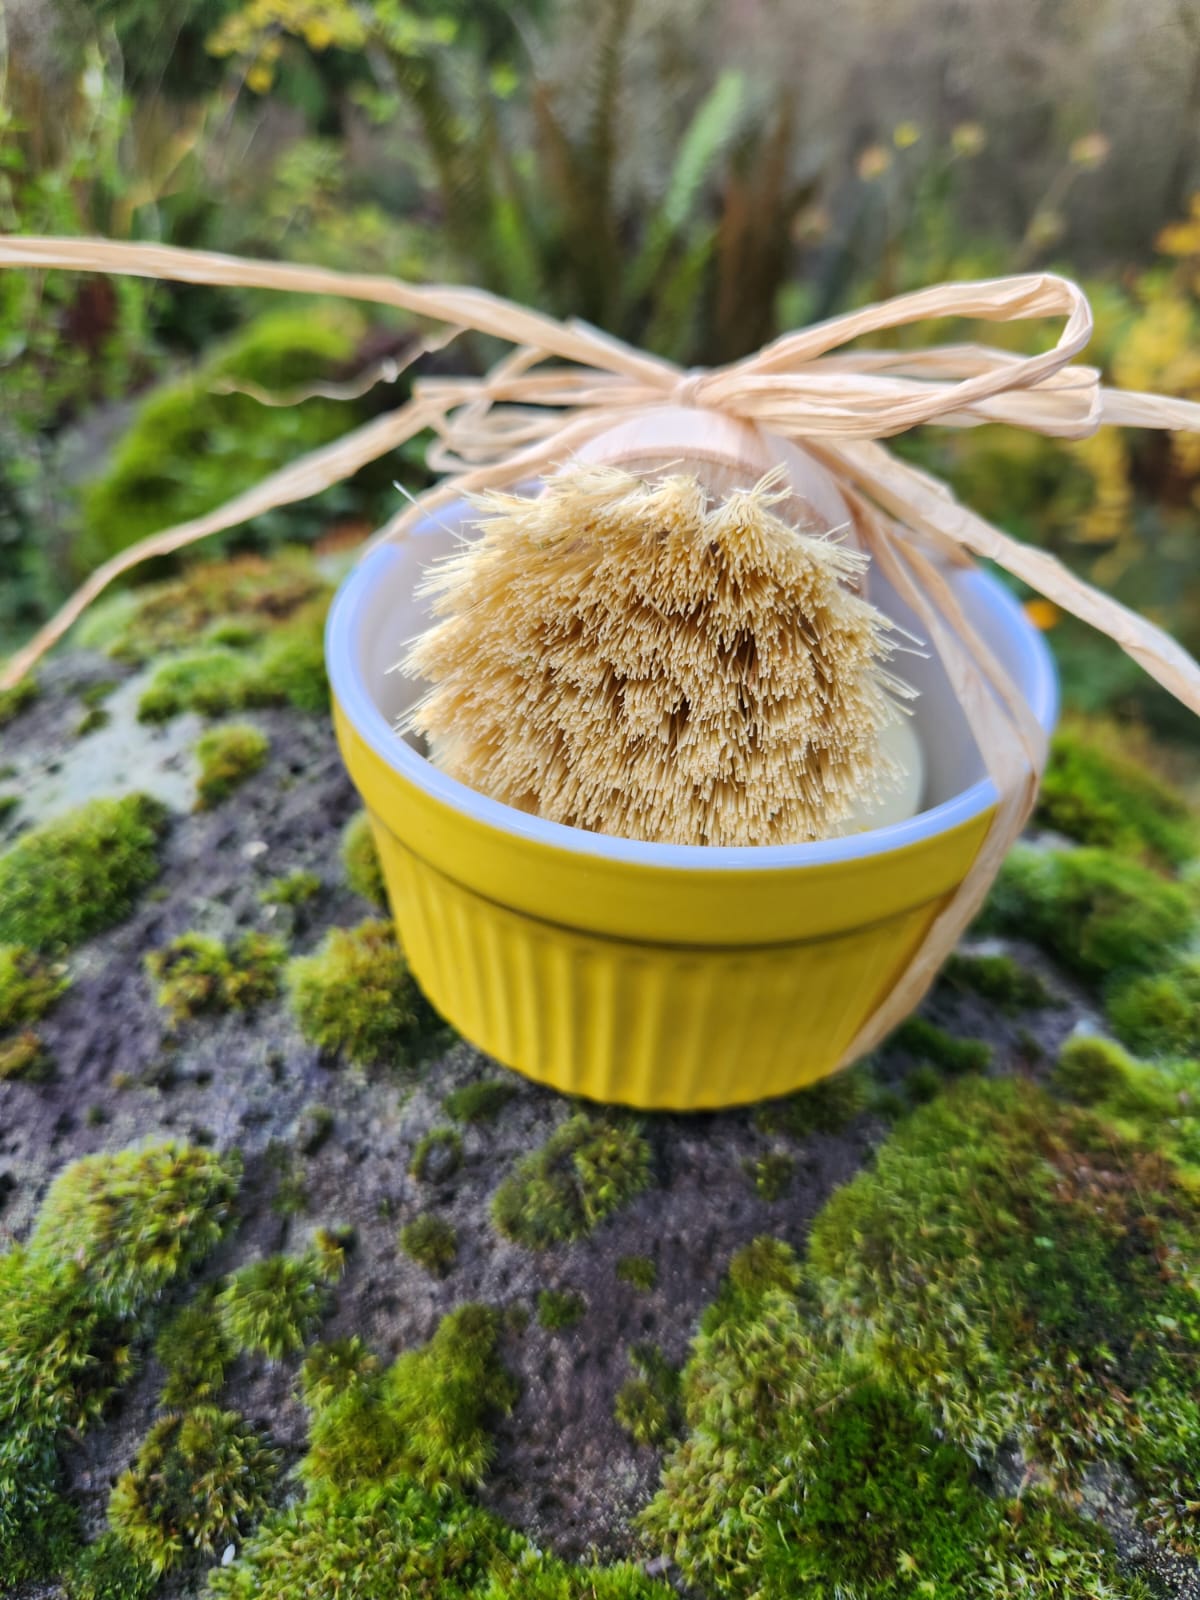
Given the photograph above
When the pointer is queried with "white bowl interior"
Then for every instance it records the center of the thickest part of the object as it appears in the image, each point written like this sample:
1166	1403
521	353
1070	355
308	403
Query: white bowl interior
377	613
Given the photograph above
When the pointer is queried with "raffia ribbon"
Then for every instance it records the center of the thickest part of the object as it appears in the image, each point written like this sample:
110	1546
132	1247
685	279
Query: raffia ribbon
565	383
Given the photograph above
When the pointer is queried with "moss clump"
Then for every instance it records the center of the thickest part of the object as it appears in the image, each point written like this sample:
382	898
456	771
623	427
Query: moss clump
587	1169
360	861
29	986
827	1107
1100	798
273	1306
647	1405
196	974
431	1242
8	804
291	664
24	1059
1159	1013
1000	979
228	756
1097	913
558	1309
540	1577
479	1102
296	889
213	682
78	875
438	1156
229	603
329	1370
1004	1263
1159	1104
426	1416
638	1271
763	1264
114	1233
933	1046
17	699
195	1353
200	1479
356	996
771	1175
108	1570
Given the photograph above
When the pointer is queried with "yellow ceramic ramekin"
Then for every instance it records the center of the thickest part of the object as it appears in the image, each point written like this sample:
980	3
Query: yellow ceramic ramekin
666	976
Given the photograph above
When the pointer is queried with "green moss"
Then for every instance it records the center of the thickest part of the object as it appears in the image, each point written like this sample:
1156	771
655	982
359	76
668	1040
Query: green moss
213	682
1159	1104
17	699
192	446
92	720
638	1271
431	1242
383	1539
647	1405
200	1479
114	1233
24	1059
195	974
535	1576
587	1170
29	986
108	1570
314	1129
1000	979
76	876
291	665
329	1370
559	1308
771	1174
426	1416
1096	913
827	1107
228	756
1159	1013
1100	798
479	1102
296	889
195	1353
274	1306
764	1264
355	995
438	1156
360	861
8	804
933	1046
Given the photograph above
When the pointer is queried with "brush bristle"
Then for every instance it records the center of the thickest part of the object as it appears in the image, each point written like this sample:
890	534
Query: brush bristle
627	657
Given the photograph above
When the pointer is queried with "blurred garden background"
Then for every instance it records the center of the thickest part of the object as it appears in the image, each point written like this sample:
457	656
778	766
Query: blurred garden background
694	177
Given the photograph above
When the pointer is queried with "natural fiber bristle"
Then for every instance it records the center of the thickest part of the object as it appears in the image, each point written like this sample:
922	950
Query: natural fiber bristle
629	658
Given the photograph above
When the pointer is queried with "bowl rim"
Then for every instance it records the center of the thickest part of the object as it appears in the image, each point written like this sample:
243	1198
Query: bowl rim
356	704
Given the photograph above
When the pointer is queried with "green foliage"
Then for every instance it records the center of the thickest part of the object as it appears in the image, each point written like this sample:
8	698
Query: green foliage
559	1308
198	441
296	889
355	995
200	1479
1000	979
114	1233
17	699
1159	1104
195	1353
29	986
273	1306
24	1059
1100	798
329	1370
196	974
587	1169
1159	1013
107	1569
932	1045
437	1156
647	1404
210	681
291	665
426	1416
431	1242
763	1264
1098	914
535	1576
386	1538
638	1271
771	1174
826	1107
76	876
479	1102
228	756
360	861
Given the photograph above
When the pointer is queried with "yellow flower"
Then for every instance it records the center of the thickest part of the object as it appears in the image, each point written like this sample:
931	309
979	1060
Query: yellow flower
1042	613
968	139
905	135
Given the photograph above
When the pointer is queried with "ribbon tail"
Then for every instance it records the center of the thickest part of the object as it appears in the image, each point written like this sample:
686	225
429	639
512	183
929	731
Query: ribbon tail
903	492
300	480
1126	408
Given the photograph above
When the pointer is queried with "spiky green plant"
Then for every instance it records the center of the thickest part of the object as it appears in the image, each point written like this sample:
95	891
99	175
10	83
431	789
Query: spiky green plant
273	1306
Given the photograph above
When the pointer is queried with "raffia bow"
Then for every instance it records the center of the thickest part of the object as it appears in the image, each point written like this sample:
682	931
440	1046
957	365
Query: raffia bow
527	416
